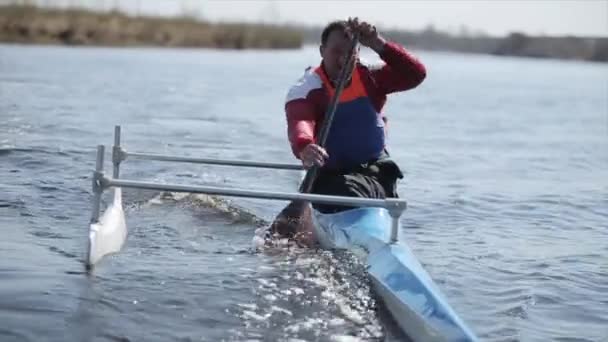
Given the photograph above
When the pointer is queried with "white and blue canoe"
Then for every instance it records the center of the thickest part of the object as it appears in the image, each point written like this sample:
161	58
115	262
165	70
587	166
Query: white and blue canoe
406	289
370	232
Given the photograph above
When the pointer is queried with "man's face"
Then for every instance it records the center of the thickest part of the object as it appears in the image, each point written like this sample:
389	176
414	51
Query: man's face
334	52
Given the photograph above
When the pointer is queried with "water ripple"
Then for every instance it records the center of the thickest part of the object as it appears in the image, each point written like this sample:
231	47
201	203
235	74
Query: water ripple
508	200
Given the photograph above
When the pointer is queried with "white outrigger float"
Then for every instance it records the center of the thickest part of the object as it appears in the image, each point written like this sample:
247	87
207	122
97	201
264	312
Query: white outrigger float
399	280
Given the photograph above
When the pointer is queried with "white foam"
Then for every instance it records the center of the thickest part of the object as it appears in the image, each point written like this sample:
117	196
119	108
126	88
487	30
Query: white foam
275	308
266	283
255	316
345	338
349	313
270	297
334	322
248	306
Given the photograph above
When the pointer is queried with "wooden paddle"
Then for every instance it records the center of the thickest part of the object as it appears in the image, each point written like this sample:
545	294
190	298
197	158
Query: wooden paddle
295	220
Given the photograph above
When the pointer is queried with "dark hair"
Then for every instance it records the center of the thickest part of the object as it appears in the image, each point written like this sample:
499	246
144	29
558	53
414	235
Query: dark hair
338	25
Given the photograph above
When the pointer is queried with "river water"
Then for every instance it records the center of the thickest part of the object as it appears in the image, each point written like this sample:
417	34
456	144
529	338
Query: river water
506	164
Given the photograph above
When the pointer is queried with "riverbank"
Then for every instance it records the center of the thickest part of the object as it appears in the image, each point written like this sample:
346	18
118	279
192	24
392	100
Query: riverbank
514	44
35	25
38	25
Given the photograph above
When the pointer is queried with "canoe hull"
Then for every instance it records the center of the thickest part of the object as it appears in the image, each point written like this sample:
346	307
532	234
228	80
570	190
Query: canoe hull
399	279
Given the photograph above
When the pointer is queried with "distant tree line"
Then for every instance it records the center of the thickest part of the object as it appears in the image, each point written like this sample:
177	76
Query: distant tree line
515	44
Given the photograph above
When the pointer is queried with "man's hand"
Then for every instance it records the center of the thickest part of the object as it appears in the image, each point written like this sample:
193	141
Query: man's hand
368	35
313	154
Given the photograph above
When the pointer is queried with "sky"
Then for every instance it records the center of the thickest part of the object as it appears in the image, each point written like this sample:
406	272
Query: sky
494	17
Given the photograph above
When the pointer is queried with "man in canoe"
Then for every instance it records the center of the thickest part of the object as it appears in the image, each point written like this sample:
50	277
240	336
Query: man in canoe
355	160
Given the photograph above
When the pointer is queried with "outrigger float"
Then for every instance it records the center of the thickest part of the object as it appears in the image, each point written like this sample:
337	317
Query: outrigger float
399	280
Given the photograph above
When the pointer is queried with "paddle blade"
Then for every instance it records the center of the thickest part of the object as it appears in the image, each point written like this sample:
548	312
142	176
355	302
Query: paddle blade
294	222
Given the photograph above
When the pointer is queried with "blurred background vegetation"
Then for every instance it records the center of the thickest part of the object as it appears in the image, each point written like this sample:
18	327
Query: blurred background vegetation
26	23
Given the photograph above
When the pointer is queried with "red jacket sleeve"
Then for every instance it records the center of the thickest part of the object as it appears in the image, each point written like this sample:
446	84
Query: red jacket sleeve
402	70
300	124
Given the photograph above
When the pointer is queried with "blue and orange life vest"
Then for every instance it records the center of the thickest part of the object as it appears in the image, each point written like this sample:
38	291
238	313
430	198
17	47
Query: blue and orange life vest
357	132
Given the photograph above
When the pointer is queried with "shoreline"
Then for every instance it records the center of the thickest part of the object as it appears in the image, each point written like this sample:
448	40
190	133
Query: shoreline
46	26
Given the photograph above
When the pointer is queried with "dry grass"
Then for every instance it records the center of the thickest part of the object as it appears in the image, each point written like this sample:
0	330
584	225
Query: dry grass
29	24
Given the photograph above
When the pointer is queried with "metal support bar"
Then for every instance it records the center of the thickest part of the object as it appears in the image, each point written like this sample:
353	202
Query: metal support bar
97	184
389	203
394	230
228	162
116	153
396	210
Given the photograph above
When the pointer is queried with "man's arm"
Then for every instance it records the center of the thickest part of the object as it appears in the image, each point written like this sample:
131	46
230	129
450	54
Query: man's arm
301	109
402	70
300	124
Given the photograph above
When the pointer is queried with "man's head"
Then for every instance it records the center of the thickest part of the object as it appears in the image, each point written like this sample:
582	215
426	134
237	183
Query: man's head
335	45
